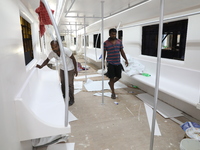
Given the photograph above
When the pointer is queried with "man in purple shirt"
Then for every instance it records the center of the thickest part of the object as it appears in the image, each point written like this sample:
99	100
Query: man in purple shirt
113	47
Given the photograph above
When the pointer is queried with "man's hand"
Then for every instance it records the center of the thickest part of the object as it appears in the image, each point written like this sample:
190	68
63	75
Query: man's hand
126	62
38	66
75	72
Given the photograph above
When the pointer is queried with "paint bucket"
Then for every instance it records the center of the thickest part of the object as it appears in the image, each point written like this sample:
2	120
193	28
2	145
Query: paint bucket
189	144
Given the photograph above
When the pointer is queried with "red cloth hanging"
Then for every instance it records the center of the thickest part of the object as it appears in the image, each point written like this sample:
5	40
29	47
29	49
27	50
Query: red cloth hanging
43	17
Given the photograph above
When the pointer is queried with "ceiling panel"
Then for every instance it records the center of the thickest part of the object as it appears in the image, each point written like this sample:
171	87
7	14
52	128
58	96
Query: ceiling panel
93	8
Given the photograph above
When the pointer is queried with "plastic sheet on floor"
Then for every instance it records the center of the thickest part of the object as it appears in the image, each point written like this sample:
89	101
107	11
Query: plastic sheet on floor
164	109
108	94
149	112
78	86
45	141
62	146
97	85
71	117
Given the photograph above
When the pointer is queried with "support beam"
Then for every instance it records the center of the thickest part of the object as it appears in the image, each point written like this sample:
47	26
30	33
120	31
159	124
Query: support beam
73	24
70	7
81	17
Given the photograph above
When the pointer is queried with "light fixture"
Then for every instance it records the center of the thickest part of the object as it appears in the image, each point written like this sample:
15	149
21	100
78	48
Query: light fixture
122	11
127	9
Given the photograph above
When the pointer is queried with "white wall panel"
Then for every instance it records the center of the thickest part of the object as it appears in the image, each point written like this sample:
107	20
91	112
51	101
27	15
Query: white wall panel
13	72
193	43
132	38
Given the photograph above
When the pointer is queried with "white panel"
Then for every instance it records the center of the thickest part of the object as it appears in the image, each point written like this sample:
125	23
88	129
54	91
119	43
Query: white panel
149	113
97	85
132	38
40	106
65	146
163	108
12	68
193	43
32	127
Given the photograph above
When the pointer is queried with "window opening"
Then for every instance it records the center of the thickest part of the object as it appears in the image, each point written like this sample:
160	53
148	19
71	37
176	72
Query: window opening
97	40
62	38
120	34
74	40
173	40
27	40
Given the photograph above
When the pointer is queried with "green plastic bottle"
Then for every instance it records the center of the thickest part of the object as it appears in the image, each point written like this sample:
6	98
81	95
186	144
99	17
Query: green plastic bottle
134	86
146	74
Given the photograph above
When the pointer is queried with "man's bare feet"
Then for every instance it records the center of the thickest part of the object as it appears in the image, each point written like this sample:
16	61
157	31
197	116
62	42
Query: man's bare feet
113	96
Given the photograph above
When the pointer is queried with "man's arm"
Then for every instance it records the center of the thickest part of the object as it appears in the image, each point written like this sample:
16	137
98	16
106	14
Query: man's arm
43	64
124	56
75	64
104	57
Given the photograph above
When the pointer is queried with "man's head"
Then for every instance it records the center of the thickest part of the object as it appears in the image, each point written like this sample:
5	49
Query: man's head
55	46
112	34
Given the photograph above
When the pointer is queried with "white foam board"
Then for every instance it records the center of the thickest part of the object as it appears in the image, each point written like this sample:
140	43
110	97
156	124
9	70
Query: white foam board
164	109
97	85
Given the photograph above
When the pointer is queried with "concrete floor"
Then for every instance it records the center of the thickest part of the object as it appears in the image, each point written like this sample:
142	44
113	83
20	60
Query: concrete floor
107	126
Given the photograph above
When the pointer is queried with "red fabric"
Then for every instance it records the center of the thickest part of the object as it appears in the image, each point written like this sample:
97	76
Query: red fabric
43	17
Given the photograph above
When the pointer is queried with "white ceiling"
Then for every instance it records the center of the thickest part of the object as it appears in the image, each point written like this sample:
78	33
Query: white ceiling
92	8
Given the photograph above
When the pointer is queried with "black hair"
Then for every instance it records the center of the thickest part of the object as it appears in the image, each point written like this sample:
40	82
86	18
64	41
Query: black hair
112	30
53	41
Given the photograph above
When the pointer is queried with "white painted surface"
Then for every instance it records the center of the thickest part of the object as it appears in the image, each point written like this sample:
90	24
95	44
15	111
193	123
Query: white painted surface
164	109
132	38
178	86
65	146
97	85
40	107
13	71
193	43
149	113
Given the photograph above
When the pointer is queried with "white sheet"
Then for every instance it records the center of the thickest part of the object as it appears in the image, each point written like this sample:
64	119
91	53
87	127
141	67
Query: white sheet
97	85
108	94
71	117
78	85
164	109
62	146
149	113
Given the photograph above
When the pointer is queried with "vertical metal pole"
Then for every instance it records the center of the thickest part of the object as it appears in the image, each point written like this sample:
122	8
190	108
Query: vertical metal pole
63	60
76	37
85	49
157	73
102	47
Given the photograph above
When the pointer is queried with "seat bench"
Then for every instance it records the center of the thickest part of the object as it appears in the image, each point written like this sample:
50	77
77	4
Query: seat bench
176	85
40	107
92	55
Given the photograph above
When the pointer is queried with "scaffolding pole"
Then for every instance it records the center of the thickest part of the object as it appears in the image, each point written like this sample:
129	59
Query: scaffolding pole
85	50
66	122
157	73
102	48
